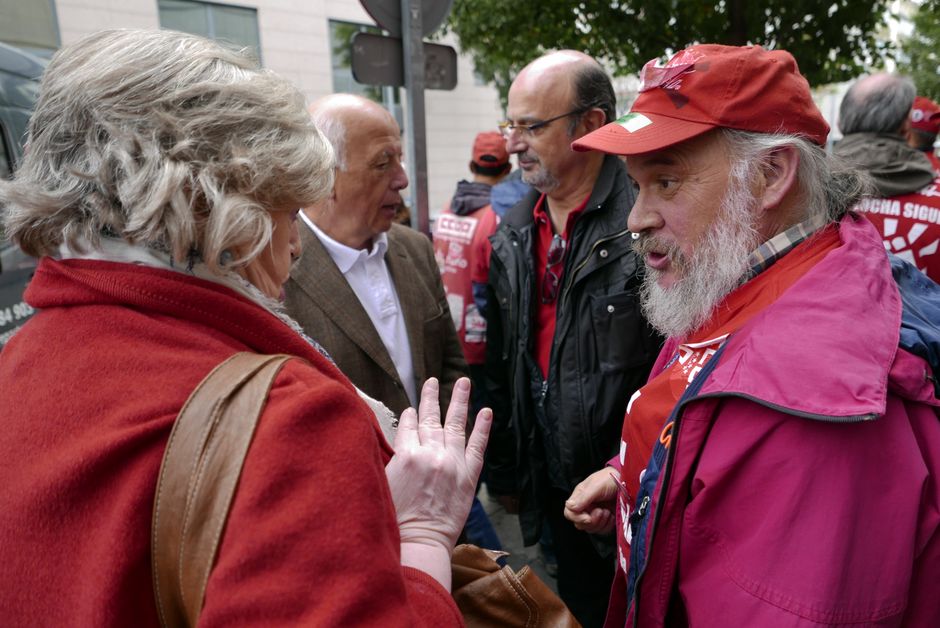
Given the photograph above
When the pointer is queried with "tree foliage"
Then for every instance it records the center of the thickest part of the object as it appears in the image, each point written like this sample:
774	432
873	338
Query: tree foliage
921	51
832	41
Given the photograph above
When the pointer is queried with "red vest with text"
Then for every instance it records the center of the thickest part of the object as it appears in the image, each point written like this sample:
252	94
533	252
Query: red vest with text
460	244
910	226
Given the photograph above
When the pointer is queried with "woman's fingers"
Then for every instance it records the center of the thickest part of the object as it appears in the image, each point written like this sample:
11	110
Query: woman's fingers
476	445
429	414
455	425
406	435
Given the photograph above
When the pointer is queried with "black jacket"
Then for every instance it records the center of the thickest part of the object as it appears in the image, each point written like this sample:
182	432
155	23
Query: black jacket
557	432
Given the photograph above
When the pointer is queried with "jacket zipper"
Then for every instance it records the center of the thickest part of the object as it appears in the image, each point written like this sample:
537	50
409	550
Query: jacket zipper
675	417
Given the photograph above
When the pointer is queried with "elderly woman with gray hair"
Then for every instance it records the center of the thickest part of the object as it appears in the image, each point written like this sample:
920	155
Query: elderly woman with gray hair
161	188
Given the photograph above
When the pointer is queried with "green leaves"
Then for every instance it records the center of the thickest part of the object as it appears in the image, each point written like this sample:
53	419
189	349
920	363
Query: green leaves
832	41
921	51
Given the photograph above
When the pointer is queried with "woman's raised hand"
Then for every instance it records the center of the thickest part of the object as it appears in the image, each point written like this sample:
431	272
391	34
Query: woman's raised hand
433	474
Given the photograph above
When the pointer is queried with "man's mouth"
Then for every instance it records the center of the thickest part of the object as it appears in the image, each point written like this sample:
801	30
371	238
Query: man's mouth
527	162
657	261
657	254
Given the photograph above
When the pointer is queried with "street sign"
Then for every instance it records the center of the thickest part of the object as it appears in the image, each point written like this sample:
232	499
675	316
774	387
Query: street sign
387	14
377	60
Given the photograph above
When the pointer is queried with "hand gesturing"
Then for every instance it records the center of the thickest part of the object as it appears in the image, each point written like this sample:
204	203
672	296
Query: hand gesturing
434	471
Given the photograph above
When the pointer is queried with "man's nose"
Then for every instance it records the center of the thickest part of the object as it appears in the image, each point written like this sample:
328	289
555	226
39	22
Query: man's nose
643	216
400	178
515	143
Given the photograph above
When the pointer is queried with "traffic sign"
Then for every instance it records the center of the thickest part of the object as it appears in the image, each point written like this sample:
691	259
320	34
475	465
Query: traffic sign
387	14
377	60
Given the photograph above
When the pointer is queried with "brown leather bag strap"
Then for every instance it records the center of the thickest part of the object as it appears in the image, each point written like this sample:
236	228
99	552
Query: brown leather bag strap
198	476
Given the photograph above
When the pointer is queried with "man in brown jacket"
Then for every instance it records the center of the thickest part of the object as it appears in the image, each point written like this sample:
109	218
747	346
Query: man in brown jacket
369	291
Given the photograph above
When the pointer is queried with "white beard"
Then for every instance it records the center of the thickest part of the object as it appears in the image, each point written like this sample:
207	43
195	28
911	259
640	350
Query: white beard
716	267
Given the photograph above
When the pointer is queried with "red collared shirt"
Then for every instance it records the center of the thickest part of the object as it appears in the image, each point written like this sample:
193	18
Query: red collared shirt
543	315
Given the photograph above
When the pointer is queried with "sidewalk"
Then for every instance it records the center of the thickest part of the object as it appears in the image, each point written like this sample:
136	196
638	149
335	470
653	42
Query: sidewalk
507	527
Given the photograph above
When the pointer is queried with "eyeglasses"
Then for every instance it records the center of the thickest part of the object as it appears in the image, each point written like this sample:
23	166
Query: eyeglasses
528	130
551	280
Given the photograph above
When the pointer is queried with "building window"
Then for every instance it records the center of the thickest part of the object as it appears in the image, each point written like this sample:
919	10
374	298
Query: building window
341	34
236	25
31	26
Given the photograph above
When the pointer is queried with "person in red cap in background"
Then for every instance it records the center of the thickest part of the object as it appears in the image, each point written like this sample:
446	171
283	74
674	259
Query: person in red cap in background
462	251
781	465
925	124
462	247
876	120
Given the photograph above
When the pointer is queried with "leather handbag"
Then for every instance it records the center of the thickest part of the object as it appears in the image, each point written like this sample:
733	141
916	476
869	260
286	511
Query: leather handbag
201	466
489	595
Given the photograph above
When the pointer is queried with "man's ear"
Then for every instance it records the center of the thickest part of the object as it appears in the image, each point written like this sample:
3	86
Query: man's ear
905	130
779	176
593	119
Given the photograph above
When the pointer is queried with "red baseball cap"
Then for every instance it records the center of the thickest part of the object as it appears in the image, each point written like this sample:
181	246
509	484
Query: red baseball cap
709	86
925	115
489	150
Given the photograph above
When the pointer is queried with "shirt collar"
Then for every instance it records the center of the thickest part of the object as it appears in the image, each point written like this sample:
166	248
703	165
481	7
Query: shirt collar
345	257
764	256
541	217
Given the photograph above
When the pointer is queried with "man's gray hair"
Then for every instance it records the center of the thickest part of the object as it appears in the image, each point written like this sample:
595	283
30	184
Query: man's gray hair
167	140
334	130
879	103
828	186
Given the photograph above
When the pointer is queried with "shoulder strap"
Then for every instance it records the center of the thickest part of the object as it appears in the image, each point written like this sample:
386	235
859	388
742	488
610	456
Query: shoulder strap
200	469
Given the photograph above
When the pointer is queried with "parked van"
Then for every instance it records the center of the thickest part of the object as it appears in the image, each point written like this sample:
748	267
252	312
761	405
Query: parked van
19	88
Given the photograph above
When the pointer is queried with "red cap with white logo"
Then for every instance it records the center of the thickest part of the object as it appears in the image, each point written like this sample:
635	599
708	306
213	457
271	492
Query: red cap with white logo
925	115
709	86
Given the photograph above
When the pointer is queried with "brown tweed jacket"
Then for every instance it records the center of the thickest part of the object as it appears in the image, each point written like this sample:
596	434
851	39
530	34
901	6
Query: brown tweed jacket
320	299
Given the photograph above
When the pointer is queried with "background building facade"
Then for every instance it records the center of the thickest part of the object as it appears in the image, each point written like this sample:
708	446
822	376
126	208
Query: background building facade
303	40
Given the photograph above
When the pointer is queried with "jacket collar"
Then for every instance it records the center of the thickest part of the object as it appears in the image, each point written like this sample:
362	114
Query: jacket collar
825	348
318	276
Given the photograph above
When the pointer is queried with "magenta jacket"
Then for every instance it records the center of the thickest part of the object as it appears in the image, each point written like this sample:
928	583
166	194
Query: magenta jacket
801	486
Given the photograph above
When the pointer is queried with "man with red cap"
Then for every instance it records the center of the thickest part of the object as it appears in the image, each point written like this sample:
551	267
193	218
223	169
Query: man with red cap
925	124
781	467
462	248
876	118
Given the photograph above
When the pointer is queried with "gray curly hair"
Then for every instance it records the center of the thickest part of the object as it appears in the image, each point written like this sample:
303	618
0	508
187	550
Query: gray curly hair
167	140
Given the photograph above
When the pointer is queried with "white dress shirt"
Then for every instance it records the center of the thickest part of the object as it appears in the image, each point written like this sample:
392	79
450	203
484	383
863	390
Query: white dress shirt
368	276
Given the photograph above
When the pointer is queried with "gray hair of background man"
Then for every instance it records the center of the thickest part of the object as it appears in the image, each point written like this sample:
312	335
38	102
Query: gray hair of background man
879	103
167	140
592	88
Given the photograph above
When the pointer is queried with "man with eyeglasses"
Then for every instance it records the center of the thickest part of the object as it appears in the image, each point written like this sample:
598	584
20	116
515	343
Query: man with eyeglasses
566	342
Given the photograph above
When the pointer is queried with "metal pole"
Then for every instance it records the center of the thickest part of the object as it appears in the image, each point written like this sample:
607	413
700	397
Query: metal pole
415	137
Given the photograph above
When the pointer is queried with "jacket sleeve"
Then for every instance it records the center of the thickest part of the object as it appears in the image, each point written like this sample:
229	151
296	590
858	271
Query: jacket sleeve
501	459
802	522
312	537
